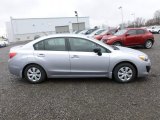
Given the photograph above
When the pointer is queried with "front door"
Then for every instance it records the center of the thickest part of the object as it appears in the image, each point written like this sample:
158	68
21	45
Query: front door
131	38
85	62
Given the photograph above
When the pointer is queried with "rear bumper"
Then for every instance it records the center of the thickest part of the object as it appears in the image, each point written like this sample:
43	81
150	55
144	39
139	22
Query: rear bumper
14	69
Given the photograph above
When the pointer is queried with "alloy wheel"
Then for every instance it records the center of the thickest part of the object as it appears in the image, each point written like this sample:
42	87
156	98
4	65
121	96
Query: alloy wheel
125	74
34	74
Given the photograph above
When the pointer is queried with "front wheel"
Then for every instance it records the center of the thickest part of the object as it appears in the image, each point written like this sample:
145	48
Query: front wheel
34	74
124	72
148	44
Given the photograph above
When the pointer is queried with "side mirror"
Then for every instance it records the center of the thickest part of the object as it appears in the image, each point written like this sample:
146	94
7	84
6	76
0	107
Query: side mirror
127	34
98	51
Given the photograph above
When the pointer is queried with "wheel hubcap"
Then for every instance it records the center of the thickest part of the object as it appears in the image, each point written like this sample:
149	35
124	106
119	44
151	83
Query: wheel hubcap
125	74
33	74
149	44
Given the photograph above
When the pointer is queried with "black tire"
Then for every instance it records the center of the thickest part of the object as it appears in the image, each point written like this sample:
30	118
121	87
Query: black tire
36	73
159	32
148	44
128	74
117	44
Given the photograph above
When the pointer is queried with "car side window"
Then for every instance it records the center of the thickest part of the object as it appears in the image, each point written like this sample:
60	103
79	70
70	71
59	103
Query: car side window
131	32
51	44
83	45
39	46
140	31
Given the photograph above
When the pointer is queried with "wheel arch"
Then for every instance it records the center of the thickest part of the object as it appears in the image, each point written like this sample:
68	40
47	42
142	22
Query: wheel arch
32	64
120	41
125	62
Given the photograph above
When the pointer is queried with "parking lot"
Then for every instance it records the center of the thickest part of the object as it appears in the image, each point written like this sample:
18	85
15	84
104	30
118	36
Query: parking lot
81	99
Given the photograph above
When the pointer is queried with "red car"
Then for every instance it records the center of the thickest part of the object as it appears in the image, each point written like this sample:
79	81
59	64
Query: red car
130	37
107	32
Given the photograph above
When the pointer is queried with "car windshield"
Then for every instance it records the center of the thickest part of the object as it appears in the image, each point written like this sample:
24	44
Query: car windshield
104	32
101	43
99	32
78	31
120	32
90	31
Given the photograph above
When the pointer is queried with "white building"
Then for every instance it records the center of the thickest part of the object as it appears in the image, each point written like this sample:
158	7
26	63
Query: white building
27	29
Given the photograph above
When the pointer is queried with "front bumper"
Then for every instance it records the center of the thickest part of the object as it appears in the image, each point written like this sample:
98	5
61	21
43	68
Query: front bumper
144	69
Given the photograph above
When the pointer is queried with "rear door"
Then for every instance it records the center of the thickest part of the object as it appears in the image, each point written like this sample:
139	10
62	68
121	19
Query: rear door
85	62
140	36
53	55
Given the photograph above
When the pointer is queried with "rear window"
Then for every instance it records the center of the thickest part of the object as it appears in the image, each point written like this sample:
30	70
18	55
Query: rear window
51	44
140	31
39	46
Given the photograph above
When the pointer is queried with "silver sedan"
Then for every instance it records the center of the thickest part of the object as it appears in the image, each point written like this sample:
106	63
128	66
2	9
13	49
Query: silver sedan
64	56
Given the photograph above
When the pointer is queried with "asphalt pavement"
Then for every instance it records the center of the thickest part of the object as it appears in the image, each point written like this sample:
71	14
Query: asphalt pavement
81	99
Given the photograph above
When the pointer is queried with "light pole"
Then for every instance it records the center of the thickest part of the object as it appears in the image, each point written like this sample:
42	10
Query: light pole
133	14
121	16
76	14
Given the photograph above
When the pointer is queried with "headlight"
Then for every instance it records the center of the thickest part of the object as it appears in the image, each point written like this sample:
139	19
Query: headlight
144	58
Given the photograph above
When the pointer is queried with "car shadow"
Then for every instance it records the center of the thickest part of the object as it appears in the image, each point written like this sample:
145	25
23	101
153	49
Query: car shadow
82	80
92	80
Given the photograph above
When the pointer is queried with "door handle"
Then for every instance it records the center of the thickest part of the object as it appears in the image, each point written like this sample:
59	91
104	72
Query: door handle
75	56
41	55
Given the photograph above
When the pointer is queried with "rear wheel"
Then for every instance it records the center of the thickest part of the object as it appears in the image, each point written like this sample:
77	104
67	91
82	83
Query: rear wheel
124	72
159	32
117	44
34	74
148	44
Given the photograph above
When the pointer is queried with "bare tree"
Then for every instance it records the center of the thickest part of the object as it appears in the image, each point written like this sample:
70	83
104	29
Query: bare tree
157	17
130	24
150	22
139	22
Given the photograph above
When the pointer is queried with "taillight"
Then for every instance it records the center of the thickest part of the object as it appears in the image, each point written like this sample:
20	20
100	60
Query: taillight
12	54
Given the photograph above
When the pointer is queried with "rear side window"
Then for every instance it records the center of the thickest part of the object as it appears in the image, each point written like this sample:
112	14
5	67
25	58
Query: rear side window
140	32
52	44
39	46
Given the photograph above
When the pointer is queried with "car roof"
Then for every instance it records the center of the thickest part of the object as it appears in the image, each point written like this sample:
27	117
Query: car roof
58	35
135	28
63	35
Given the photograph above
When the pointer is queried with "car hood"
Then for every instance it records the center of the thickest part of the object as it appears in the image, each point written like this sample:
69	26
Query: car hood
131	51
110	37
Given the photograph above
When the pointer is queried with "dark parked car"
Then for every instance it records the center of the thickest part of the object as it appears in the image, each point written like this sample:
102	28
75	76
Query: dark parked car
131	37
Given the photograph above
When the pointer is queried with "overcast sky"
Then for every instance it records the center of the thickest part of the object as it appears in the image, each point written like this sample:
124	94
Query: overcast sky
99	11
